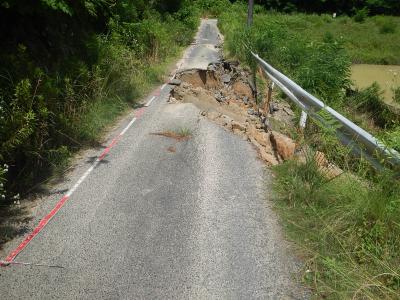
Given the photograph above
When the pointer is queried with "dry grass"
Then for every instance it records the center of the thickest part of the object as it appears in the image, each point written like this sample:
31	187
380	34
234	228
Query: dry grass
179	135
171	149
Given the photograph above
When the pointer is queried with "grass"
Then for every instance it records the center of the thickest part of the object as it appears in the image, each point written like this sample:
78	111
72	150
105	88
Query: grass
348	230
396	95
373	41
347	227
180	134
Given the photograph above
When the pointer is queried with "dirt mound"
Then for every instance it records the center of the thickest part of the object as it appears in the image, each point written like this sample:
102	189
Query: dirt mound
226	96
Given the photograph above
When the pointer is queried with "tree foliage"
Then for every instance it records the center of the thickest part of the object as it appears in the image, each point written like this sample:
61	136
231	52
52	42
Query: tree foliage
62	60
390	7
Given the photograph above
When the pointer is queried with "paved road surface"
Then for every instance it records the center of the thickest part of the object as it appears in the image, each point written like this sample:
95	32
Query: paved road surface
155	222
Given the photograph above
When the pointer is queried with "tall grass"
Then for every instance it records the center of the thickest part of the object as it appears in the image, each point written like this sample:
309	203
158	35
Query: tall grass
347	228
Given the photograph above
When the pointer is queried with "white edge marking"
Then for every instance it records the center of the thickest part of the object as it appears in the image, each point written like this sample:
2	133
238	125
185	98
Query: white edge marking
127	127
88	171
163	86
83	177
149	102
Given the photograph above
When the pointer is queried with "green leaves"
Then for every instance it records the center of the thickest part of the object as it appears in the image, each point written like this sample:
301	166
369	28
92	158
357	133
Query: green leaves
59	5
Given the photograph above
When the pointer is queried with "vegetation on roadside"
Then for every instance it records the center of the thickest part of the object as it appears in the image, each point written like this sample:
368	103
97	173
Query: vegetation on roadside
375	40
68	68
348	7
348	227
312	50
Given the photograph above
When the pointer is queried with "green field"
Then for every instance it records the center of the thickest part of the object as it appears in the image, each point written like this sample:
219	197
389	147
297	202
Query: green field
376	40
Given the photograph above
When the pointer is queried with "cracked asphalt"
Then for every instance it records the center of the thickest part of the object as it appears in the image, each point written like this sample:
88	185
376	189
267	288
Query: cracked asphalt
195	222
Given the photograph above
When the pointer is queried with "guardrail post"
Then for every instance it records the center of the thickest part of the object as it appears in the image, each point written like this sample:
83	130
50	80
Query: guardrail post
303	119
266	107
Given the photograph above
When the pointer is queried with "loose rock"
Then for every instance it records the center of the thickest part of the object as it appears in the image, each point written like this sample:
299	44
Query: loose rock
226	78
219	97
283	145
251	111
238	126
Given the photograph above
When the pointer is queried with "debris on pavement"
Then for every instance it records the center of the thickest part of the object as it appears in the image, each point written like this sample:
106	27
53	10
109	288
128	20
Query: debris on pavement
225	95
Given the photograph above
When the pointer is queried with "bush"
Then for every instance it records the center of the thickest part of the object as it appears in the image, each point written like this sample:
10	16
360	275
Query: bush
59	90
388	27
369	100
396	95
213	8
322	68
361	15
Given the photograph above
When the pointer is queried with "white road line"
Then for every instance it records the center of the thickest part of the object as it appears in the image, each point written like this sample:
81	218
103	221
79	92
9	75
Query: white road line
83	177
127	127
163	86
88	171
149	102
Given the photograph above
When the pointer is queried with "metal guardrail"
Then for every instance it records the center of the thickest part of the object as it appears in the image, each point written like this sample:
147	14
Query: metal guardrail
361	142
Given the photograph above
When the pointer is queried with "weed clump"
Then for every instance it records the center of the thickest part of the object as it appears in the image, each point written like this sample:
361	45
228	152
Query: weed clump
361	14
388	26
369	100
347	227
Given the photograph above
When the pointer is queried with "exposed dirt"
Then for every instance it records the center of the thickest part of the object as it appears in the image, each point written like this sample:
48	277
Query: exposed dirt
171	149
226	96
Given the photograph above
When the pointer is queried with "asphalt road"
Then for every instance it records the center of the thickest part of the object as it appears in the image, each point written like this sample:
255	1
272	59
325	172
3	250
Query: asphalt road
160	218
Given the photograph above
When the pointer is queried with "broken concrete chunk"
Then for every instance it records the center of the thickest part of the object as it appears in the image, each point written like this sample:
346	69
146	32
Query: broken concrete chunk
175	82
251	111
226	78
269	158
213	114
238	126
212	67
172	100
219	97
283	145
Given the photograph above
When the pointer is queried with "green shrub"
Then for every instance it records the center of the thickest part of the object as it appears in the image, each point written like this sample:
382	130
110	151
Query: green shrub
322	67
59	91
361	15
213	8
391	138
370	100
396	95
388	27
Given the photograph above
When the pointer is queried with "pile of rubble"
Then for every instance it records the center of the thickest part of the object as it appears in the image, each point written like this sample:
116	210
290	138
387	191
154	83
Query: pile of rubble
226	95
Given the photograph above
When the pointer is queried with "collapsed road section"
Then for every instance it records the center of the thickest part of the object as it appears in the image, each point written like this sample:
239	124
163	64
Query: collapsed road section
226	94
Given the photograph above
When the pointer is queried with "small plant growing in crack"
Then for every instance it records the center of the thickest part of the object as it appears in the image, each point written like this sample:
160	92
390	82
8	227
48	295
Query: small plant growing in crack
179	134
